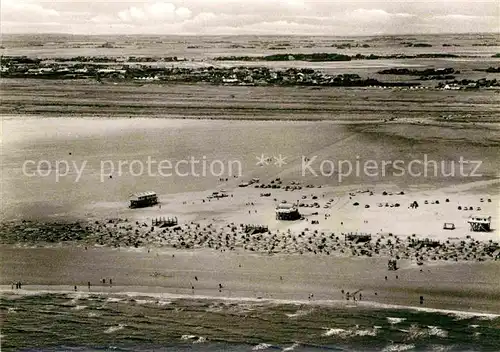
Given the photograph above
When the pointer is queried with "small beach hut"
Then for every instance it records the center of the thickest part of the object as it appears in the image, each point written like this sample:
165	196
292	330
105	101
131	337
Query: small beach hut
164	222
449	226
285	211
357	237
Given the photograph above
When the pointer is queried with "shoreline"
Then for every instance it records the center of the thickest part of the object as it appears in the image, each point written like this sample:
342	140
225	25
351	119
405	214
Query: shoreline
164	297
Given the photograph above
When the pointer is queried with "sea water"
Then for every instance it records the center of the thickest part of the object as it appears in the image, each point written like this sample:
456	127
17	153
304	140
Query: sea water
93	322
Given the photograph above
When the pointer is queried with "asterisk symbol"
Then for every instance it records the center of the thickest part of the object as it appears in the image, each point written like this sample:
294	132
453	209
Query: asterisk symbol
280	160
262	160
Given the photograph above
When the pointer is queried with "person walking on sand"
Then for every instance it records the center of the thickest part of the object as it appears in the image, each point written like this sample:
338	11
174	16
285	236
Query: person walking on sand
88	283
110	282
76	289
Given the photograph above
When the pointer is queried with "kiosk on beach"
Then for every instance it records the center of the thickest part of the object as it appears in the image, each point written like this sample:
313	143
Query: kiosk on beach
143	199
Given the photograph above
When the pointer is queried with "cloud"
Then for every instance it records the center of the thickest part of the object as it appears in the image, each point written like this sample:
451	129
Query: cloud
158	11
457	17
460	23
26	11
377	15
183	12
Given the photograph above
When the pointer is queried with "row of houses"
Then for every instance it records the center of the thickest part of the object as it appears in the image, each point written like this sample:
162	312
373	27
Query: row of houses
241	75
210	74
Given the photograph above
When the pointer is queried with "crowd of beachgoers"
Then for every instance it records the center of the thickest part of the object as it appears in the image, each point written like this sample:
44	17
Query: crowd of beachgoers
254	238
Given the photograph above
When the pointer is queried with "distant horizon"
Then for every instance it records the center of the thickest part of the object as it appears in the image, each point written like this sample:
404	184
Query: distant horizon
249	17
245	35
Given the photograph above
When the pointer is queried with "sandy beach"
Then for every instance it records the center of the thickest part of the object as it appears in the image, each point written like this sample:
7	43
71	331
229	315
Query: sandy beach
290	261
380	211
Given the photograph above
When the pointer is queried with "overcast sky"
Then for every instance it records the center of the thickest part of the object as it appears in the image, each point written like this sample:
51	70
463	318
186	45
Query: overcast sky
211	17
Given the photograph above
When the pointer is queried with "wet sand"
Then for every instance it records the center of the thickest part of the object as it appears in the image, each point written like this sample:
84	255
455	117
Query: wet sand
465	286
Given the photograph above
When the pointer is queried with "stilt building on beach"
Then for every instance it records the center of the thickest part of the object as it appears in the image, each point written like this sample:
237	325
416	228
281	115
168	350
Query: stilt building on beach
480	223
